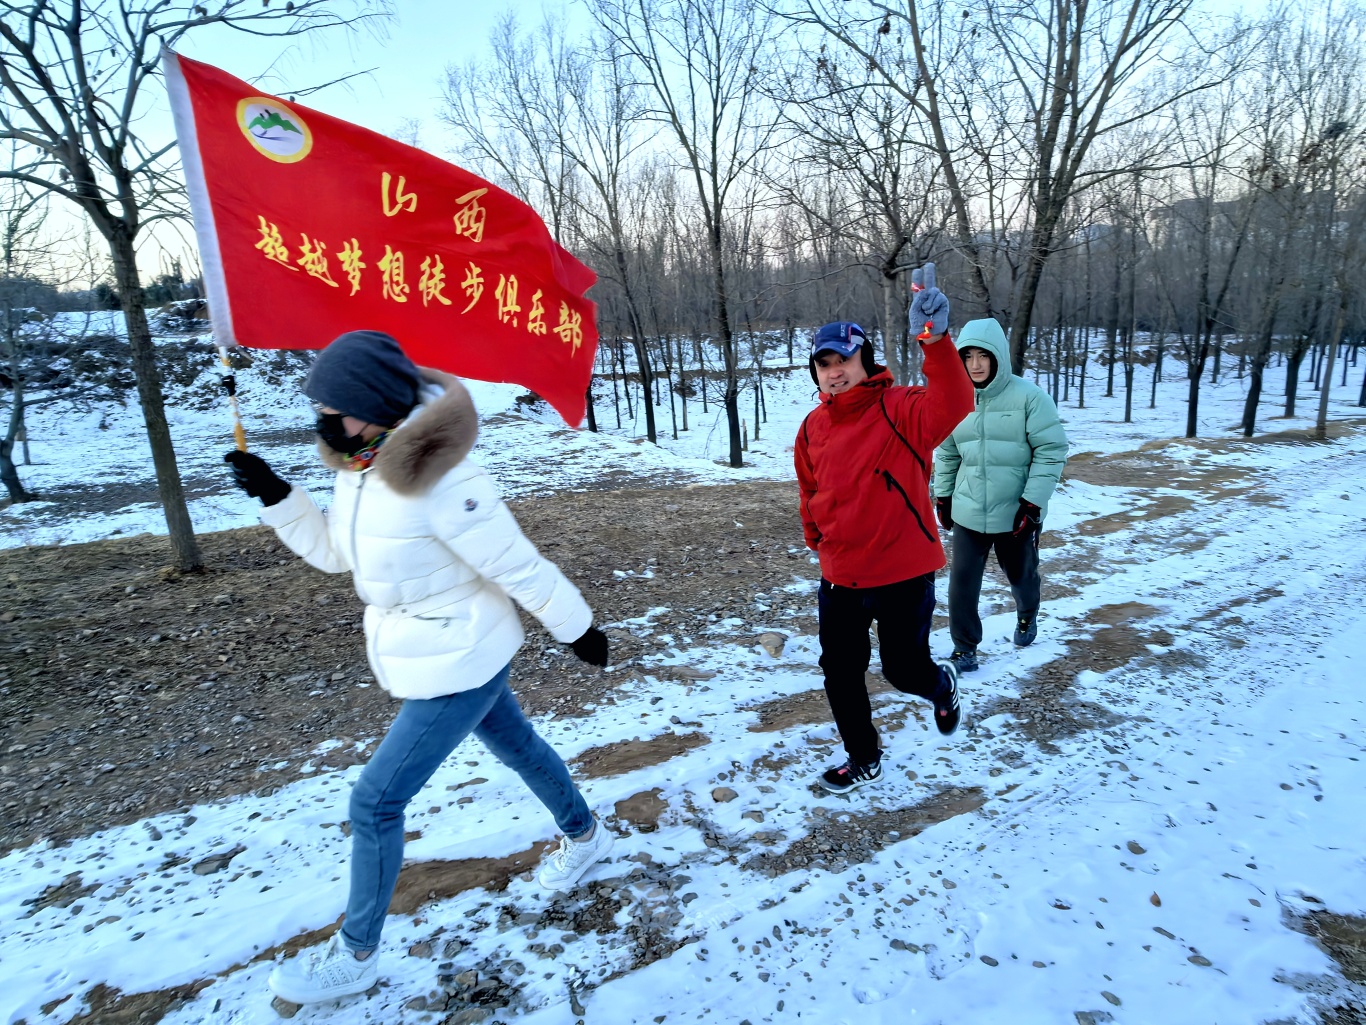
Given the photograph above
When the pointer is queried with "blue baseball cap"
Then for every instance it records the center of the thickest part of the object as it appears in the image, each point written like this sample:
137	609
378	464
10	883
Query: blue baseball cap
843	336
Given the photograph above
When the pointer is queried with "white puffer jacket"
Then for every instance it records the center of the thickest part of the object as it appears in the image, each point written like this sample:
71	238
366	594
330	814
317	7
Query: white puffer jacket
435	554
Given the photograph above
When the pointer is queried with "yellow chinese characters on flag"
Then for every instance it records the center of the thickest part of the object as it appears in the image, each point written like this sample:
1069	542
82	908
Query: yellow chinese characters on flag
309	226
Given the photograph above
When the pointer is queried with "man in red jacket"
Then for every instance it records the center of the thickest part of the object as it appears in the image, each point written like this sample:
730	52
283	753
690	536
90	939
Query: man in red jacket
863	463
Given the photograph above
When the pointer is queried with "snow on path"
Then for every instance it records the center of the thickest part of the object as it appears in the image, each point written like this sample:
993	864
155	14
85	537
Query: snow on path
1137	870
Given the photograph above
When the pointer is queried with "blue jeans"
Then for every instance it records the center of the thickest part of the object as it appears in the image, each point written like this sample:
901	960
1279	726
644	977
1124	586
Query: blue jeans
423	734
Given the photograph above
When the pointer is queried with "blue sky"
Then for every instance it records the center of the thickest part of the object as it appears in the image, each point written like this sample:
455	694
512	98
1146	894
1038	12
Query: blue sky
405	59
409	61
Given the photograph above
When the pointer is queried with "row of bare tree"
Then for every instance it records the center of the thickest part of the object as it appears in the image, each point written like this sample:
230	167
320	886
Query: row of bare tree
1127	165
731	167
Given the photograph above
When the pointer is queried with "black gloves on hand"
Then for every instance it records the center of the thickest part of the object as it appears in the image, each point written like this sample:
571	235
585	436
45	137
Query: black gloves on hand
592	647
1028	519
253	475
943	508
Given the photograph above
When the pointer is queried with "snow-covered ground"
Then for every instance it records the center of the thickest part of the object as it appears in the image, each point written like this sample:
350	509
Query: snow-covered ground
1143	867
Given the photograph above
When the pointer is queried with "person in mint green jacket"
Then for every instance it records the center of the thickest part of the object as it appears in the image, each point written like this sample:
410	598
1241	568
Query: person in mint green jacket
992	481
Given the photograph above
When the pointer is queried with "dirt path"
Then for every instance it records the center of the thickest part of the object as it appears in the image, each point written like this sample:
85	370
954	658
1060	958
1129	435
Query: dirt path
127	690
96	706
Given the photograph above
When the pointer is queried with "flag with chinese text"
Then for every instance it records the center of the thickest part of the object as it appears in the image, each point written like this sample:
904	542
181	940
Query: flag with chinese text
309	226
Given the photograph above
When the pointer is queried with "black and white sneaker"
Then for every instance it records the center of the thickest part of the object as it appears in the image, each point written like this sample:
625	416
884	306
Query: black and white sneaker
851	775
946	708
1026	630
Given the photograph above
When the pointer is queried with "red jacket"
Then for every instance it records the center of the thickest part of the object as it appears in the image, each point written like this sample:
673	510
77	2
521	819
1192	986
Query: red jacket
863	463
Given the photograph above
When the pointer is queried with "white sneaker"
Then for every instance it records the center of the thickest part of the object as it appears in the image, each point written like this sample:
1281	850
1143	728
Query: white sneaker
327	974
567	864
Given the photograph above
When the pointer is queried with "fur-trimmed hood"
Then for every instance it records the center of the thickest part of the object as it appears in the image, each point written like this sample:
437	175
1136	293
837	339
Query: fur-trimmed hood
431	442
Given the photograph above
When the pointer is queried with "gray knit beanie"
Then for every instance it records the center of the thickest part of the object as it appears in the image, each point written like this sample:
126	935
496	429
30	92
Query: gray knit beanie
366	375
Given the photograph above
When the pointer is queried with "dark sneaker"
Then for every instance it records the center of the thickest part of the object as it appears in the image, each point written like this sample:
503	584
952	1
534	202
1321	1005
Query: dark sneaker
946	708
964	659
850	776
1026	630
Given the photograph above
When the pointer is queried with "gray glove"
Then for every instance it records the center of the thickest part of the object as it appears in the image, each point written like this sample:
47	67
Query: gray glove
930	308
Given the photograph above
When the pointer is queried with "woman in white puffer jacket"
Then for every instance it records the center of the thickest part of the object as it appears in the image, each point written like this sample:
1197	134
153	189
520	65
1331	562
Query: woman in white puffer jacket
438	560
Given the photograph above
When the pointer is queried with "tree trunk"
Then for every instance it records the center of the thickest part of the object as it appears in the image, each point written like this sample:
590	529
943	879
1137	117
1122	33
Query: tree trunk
1069	358
1254	396
1111	331
1081	369
728	354
702	373
1292	375
183	542
616	396
889	340
625	381
1023	313
647	395
1157	371
682	384
1334	340
1129	376
9	473
1261	356
1194	373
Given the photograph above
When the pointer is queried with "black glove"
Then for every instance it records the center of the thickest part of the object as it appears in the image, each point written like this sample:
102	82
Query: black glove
943	508
1028	519
592	647
253	475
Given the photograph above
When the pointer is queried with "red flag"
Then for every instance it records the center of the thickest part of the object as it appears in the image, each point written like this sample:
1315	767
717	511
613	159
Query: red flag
309	226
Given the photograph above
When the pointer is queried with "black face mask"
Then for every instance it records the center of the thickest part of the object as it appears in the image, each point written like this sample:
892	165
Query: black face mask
334	435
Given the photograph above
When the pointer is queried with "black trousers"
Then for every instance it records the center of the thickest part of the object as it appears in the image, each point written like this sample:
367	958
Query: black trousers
903	612
1018	558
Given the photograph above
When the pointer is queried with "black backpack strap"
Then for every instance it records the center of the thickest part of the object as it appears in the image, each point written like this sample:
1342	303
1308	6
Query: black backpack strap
882	404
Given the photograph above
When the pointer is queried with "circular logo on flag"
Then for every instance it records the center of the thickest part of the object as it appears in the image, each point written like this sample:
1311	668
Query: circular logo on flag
275	130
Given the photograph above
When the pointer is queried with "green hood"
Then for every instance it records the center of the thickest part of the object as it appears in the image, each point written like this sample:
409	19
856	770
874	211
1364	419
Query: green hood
987	334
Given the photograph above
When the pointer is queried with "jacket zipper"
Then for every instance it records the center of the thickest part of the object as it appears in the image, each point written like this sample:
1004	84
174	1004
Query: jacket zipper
355	548
372	636
982	432
892	482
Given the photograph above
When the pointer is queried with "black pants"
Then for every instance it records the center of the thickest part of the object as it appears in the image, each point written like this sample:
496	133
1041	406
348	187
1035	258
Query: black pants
1018	558
903	612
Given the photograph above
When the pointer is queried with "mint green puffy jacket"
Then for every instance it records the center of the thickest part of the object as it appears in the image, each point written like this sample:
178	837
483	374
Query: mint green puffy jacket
1011	447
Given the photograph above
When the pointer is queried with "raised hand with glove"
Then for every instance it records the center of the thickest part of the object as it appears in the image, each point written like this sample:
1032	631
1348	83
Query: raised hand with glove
591	647
929	316
943	509
1028	520
253	475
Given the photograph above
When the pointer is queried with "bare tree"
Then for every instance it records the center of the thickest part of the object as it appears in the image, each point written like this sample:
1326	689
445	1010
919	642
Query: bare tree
1058	75
509	110
23	259
1309	101
45	356
861	138
74	87
701	61
1346	235
604	135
